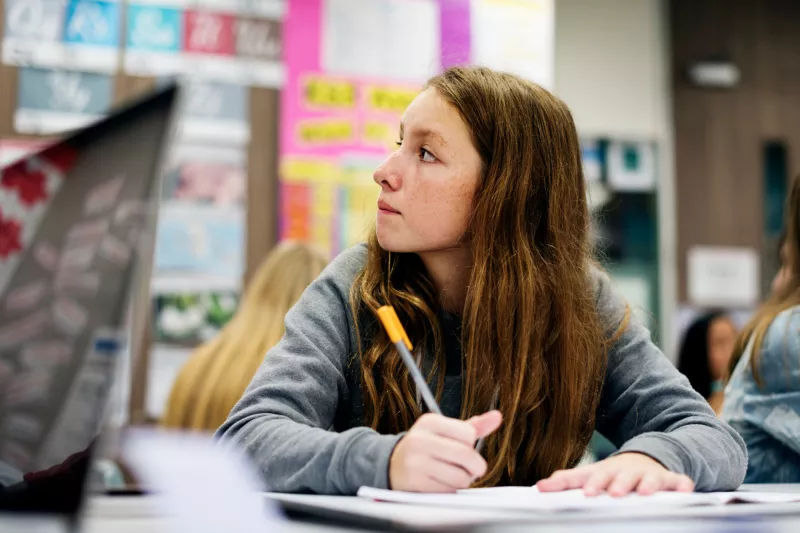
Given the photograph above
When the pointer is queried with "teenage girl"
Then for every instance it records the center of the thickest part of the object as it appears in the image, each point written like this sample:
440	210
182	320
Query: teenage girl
481	246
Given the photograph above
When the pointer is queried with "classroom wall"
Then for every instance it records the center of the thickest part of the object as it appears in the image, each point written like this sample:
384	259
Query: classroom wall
722	133
619	88
622	89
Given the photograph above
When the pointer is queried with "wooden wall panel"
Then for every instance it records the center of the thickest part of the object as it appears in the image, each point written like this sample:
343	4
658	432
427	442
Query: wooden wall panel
262	178
720	134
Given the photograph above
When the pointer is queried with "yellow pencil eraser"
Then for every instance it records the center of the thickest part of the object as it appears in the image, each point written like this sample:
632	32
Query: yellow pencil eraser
393	326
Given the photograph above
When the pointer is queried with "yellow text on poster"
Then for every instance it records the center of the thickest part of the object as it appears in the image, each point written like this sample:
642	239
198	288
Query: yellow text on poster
306	170
378	133
322	92
323	205
325	131
389	99
359	213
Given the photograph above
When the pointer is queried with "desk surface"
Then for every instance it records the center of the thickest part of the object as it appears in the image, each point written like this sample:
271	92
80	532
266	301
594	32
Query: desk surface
143	514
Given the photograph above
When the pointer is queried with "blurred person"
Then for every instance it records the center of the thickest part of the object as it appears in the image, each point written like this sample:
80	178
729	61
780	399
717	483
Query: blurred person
217	373
481	245
762	399
705	355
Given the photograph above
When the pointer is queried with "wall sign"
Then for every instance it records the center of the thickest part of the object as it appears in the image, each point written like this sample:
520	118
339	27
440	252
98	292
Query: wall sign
74	34
55	101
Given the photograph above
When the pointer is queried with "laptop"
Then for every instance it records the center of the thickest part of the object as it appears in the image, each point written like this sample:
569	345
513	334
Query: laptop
77	222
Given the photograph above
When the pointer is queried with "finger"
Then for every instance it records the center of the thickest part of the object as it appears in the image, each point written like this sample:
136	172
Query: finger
566	479
678	483
624	483
431	485
650	484
598	482
487	423
448	475
460	455
450	428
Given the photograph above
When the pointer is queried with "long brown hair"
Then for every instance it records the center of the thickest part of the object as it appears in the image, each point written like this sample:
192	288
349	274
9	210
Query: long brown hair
217	373
785	296
530	329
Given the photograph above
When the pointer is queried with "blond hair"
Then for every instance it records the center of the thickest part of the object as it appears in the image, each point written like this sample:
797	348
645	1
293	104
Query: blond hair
217	373
784	297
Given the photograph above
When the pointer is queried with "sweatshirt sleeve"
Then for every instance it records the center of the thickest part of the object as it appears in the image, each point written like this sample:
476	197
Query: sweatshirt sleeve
285	418
648	407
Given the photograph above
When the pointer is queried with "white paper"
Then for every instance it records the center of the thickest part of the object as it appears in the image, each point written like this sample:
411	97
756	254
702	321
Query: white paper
631	166
530	499
206	488
723	276
396	39
515	36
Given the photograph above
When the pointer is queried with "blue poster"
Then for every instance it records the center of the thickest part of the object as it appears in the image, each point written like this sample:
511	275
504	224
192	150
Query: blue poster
92	22
200	239
155	29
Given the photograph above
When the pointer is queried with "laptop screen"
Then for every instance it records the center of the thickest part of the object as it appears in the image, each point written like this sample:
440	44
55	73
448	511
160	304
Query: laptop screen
73	220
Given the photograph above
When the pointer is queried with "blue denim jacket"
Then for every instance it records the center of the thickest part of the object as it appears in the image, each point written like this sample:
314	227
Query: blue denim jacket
768	417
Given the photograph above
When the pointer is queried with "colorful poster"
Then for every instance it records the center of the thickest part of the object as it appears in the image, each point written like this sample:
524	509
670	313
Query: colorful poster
192	318
55	101
230	46
352	67
154	36
258	8
200	241
76	34
203	182
208	33
336	128
215	112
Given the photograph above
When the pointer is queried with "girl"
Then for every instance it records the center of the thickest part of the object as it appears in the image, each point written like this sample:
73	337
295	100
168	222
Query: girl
481	246
217	373
706	355
762	400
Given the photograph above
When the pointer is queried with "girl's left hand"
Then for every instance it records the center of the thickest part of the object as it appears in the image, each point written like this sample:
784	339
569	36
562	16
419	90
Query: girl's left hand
619	475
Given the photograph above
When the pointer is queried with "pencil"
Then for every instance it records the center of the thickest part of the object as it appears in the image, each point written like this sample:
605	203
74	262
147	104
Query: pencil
400	339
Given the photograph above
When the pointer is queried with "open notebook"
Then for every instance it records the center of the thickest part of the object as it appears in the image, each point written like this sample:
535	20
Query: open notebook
530	499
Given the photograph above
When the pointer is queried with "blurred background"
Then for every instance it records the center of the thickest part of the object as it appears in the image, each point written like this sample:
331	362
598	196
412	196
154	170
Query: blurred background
688	110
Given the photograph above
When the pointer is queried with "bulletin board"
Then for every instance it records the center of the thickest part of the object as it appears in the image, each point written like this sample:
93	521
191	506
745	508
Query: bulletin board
351	70
64	64
339	73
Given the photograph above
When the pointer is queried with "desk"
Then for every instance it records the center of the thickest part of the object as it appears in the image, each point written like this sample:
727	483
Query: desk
141	515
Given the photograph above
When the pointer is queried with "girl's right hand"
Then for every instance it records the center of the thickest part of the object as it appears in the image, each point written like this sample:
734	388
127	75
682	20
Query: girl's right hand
438	453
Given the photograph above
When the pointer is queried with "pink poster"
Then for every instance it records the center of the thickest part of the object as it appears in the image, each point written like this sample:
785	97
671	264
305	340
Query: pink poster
347	87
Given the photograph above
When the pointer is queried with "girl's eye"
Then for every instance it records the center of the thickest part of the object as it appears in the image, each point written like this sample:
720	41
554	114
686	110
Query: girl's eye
426	157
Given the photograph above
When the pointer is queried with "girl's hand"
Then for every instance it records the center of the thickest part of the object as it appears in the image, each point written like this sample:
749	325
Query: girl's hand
619	475
438	453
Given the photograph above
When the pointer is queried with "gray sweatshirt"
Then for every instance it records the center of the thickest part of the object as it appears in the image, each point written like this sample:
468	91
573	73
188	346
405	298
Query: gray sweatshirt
301	420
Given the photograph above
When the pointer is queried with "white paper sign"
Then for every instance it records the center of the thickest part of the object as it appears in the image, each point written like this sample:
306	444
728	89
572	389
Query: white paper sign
631	166
722	276
515	36
396	39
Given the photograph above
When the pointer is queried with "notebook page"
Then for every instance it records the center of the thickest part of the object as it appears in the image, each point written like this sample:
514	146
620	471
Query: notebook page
530	499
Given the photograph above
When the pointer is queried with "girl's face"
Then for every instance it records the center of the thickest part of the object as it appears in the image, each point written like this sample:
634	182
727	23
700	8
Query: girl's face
721	342
429	182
